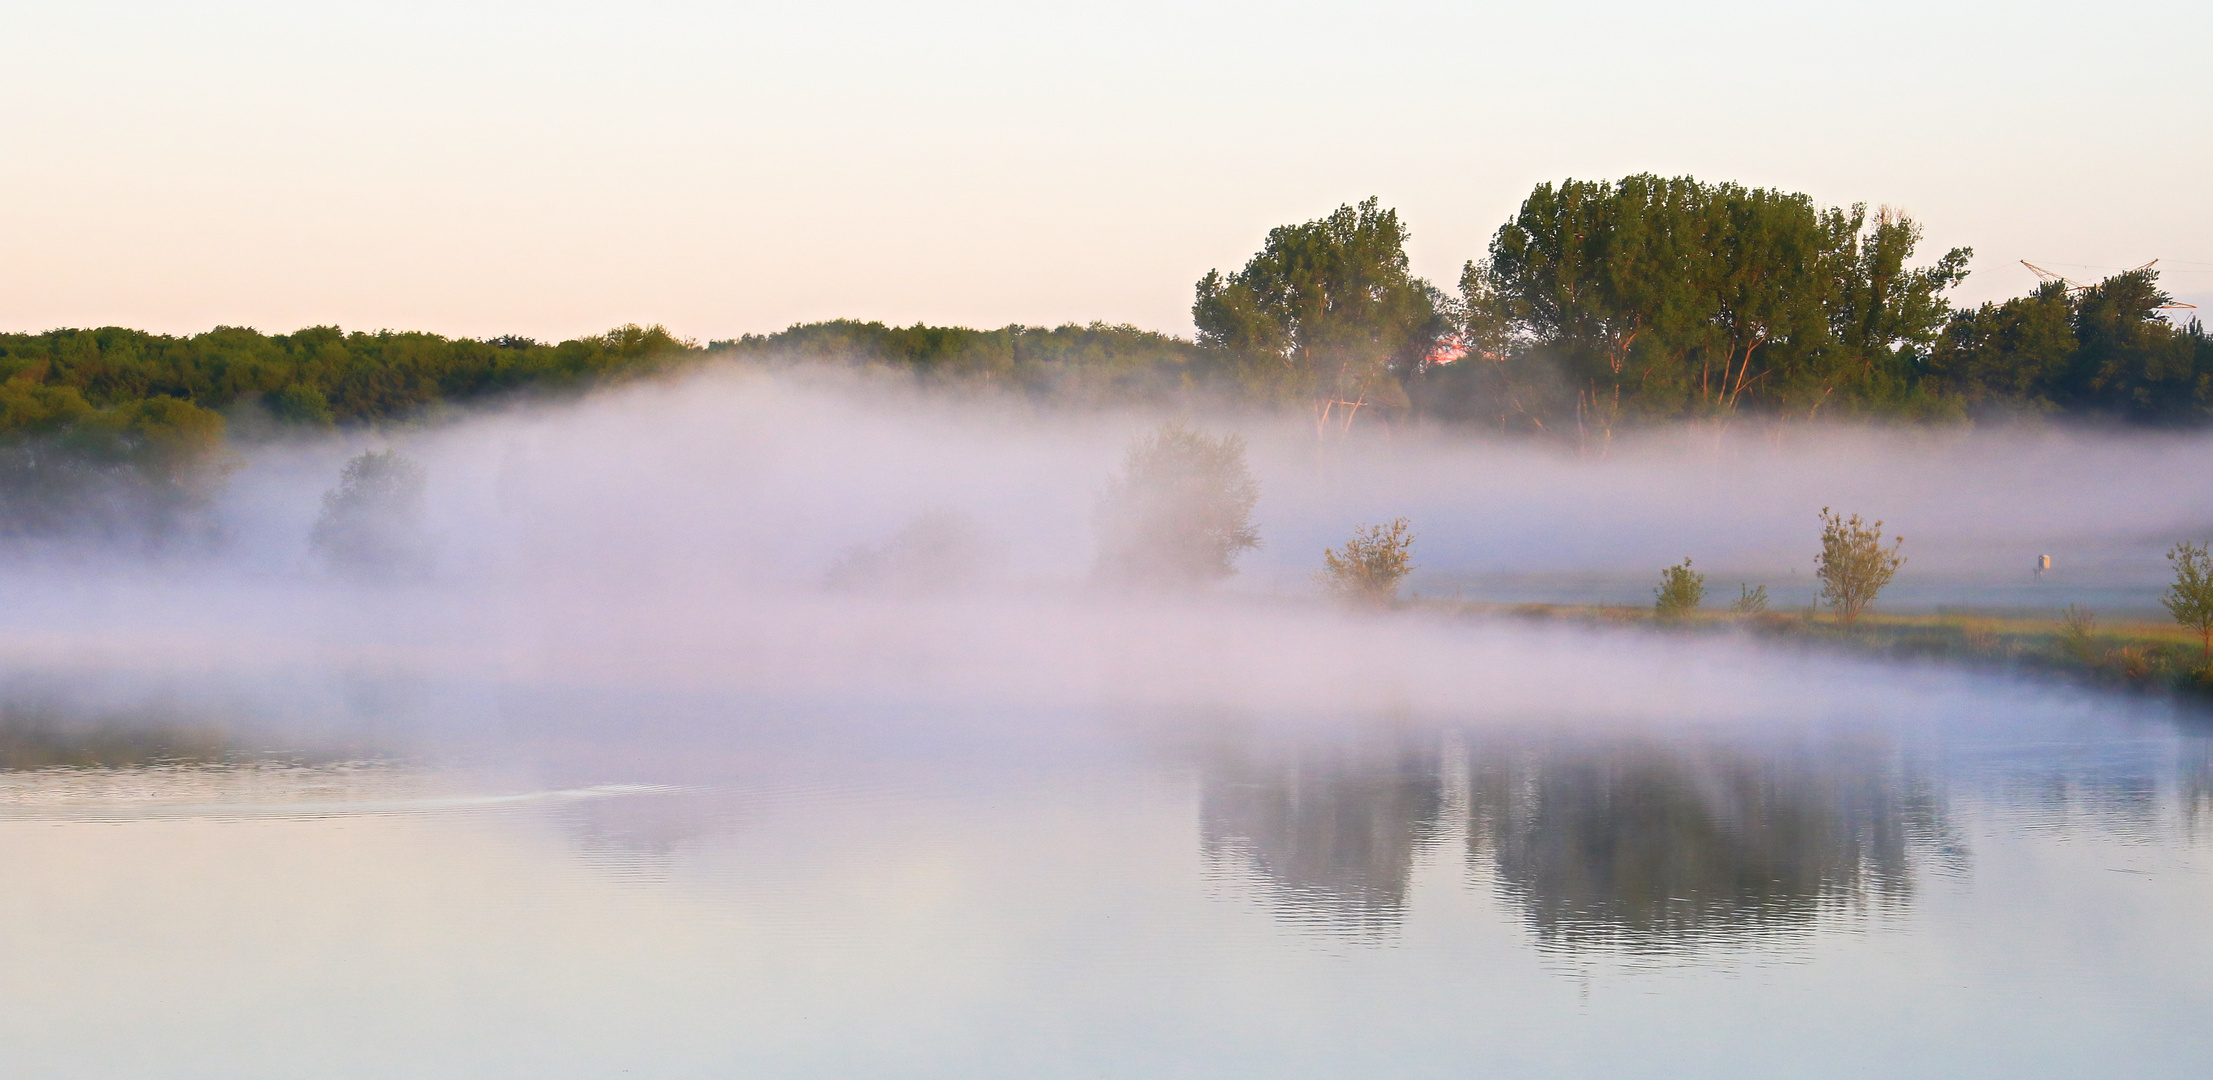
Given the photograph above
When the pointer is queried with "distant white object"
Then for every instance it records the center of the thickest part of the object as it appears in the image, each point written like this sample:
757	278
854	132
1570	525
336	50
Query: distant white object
2043	563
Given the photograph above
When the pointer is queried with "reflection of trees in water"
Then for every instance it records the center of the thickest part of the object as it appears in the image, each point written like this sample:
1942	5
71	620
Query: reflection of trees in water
1613	844
2122	797
1328	832
40	737
2197	781
104	717
1646	846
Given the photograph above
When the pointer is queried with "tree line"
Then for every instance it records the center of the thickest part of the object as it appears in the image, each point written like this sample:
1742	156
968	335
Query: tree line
1599	304
317	376
1654	299
124	431
1644	299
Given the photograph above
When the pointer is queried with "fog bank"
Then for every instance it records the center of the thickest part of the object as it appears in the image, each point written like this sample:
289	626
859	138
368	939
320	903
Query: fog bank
668	550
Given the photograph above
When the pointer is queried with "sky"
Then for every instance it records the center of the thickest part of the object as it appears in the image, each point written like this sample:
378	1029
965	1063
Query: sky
551	169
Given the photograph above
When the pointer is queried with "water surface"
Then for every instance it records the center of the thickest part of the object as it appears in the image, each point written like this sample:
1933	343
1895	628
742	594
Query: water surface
1956	876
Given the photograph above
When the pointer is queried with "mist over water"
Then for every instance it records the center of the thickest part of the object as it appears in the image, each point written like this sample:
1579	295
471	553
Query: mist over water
773	724
681	534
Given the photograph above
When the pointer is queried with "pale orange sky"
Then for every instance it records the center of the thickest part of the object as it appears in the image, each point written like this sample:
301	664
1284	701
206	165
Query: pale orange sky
484	168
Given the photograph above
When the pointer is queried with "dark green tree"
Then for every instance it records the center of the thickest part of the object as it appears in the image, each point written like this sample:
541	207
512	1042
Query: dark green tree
2102	352
2132	365
1327	310
2011	356
1885	315
302	405
1671	297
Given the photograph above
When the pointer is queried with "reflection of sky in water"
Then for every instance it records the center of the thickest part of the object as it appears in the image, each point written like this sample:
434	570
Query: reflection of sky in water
619	787
2020	891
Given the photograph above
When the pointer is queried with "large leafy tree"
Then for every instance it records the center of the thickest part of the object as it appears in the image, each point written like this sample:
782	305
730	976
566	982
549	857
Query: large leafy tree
2010	355
1327	309
2129	363
2101	352
1671	296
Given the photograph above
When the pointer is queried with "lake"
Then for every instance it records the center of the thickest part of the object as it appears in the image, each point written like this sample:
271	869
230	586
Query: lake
1864	871
622	772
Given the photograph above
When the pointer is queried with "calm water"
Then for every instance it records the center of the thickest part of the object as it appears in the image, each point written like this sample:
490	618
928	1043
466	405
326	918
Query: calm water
1963	877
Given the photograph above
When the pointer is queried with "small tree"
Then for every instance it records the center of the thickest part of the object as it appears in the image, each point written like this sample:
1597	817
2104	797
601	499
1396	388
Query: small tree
1180	513
2078	628
1853	565
1751	599
2190	598
1681	591
372	522
1370	566
1328	308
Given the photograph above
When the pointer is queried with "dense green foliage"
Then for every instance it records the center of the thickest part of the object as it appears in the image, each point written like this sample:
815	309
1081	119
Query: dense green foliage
1661	298
1600	303
1681	590
320	374
2097	353
133	466
124	431
1327	309
1095	363
1653	298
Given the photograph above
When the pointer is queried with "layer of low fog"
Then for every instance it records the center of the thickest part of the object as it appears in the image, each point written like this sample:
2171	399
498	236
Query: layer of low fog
819	545
770	482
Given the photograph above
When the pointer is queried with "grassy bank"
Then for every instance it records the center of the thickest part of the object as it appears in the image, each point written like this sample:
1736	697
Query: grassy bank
2147	655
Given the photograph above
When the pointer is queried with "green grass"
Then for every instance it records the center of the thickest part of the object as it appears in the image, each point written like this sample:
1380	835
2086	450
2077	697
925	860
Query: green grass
2140	654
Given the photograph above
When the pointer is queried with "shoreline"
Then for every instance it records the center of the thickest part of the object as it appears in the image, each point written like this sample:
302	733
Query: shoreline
2128	654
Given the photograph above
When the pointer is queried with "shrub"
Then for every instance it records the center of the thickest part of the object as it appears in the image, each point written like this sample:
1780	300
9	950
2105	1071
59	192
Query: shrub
1370	566
1751	599
2077	627
1681	591
2135	663
1853	565
2190	598
1180	513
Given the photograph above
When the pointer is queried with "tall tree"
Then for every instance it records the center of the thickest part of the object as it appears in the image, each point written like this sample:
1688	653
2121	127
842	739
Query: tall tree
1327	310
1669	296
2104	352
2129	363
2012	355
